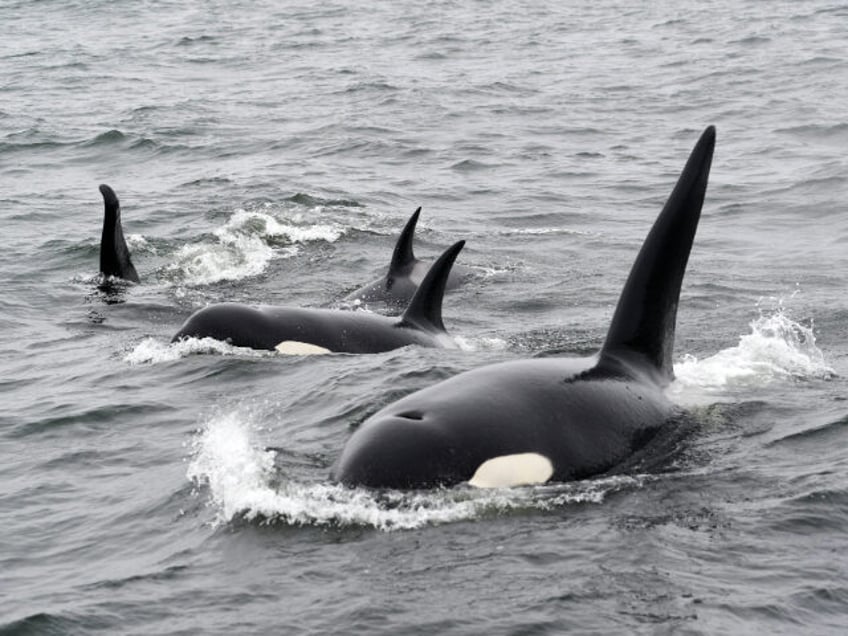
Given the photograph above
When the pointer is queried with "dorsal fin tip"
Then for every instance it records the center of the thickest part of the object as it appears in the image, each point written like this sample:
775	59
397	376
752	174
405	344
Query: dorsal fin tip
110	199
645	317
425	308
403	256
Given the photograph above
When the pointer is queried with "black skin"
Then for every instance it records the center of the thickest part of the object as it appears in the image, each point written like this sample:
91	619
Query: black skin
586	415
405	273
115	259
334	330
338	331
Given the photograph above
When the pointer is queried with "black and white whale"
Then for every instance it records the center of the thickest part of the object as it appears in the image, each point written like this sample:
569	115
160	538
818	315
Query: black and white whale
115	259
405	273
548	419
295	330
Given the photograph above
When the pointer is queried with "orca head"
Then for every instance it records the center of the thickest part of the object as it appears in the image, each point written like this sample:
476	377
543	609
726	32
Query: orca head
481	427
399	451
414	448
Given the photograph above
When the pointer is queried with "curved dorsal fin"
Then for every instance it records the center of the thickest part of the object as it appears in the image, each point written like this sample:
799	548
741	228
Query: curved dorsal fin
644	320
425	308
114	254
403	256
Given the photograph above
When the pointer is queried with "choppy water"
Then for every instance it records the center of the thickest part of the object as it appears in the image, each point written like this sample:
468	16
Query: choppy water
270	152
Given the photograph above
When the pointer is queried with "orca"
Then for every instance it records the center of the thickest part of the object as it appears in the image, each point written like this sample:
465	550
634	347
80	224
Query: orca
403	276
548	419
295	330
115	259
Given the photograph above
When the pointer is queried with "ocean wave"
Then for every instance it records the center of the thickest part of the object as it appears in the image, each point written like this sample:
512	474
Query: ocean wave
311	201
53	623
817	433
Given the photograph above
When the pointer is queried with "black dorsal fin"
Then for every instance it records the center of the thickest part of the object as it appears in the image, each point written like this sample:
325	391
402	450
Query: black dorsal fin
403	257
114	254
425	308
644	320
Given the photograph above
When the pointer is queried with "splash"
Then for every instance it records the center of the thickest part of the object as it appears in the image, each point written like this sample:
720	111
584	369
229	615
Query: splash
480	343
233	258
152	351
243	483
245	245
491	271
138	243
777	348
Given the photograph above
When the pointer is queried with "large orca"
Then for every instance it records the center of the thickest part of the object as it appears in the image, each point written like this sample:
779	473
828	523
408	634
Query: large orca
403	276
548	419
114	255
304	331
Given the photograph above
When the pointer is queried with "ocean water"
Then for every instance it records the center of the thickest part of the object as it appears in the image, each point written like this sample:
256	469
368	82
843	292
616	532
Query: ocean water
269	153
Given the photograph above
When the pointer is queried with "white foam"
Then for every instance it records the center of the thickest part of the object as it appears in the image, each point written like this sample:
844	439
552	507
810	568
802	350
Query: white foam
481	343
245	245
240	256
243	483
229	463
138	243
491	271
266	225
152	351
777	348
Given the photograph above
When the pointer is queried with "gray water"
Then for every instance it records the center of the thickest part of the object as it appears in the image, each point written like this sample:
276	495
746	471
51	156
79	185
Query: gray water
269	153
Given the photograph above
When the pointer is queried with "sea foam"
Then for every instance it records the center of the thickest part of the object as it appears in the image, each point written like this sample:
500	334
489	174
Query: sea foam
778	348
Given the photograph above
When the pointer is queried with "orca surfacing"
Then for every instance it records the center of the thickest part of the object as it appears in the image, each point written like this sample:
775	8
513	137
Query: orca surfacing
303	331
114	254
552	419
404	275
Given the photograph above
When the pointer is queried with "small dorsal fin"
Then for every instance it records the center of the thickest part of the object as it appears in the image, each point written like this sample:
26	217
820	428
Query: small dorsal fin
403	257
425	308
644	320
114	254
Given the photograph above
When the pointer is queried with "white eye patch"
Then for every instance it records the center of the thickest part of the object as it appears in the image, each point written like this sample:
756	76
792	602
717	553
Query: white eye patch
295	348
521	469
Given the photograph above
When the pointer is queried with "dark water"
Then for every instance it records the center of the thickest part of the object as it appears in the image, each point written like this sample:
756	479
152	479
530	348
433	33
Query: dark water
270	152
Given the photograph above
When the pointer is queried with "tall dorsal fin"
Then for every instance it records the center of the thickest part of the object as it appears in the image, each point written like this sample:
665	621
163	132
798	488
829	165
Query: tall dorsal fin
644	320
425	308
403	256
114	254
